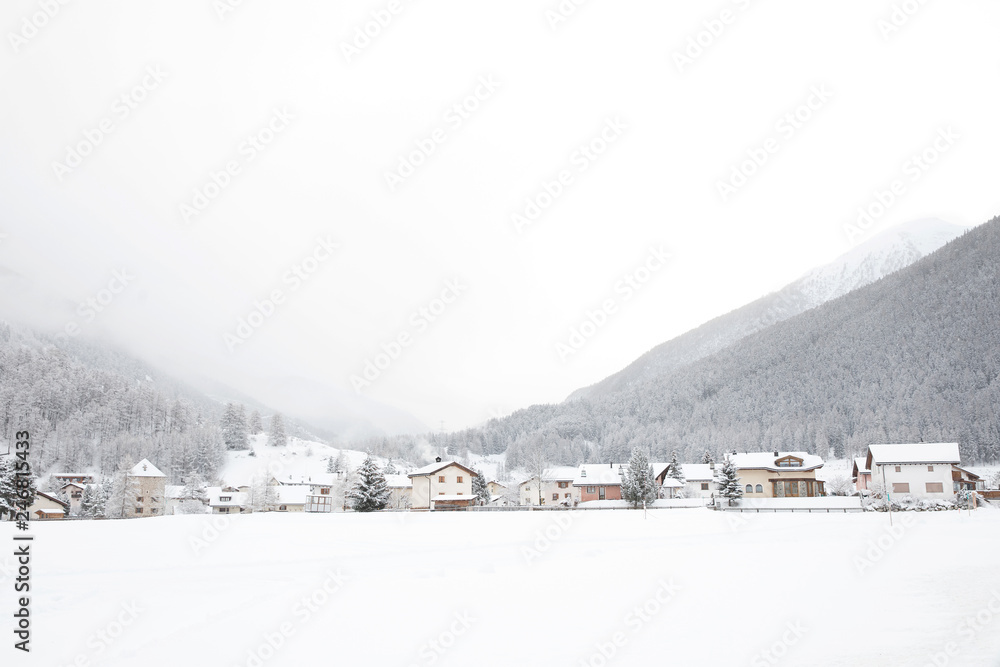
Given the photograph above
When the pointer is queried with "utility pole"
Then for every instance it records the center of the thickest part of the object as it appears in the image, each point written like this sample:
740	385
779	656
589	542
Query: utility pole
888	501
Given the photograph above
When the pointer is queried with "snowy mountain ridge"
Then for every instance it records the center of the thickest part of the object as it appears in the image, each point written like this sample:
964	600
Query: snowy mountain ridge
880	256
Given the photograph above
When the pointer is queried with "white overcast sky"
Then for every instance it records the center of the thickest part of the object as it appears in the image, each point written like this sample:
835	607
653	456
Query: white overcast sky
323	175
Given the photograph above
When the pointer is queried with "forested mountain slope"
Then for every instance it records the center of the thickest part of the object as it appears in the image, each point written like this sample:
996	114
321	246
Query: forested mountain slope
880	256
912	357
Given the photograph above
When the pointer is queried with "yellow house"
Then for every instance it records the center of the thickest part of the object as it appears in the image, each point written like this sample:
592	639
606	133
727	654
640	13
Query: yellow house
779	474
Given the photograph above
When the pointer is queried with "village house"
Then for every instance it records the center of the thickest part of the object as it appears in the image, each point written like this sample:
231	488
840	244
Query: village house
46	507
779	474
226	500
400	491
861	475
150	487
922	470
556	488
442	485
72	493
61	478
289	498
699	480
599	481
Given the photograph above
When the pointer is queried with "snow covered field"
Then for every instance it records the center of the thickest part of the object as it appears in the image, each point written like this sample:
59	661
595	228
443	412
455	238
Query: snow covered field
683	586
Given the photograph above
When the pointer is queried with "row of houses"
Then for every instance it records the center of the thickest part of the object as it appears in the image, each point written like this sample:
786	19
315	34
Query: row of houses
925	470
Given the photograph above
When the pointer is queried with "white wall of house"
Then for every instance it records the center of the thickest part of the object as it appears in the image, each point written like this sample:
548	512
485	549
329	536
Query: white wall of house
916	477
432	483
553	492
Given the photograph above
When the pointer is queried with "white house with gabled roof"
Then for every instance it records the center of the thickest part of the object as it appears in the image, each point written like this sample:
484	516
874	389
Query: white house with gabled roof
922	470
442	485
554	488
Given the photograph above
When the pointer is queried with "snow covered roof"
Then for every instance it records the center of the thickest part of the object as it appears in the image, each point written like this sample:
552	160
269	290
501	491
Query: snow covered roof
62	503
398	482
320	479
216	494
173	491
440	465
659	467
860	466
924	452
77	485
599	474
145	469
559	474
768	461
59	475
672	483
293	495
698	472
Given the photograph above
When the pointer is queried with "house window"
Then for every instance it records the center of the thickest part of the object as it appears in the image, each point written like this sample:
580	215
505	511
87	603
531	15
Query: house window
225	498
324	491
930	468
282	508
139	499
555	496
138	510
440	493
749	488
459	480
789	462
935	487
566	495
600	493
900	487
153	511
899	468
704	486
760	489
223	510
591	489
563	485
459	493
441	479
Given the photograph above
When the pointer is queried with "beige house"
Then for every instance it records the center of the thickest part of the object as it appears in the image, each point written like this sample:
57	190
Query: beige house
556	487
442	485
72	492
47	506
779	474
226	500
400	491
150	486
289	498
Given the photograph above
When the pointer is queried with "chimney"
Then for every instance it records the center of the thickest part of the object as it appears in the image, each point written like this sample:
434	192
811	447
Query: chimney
437	460
776	454
611	465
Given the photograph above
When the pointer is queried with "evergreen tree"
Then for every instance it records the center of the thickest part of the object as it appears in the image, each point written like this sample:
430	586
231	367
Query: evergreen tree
370	493
390	469
638	487
706	458
90	501
277	437
122	492
340	464
254	425
480	489
234	427
330	465
675	470
728	480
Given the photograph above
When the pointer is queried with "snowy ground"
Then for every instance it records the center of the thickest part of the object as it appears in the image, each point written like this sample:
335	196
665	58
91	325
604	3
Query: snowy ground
686	587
